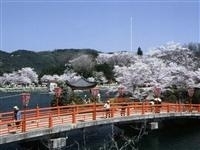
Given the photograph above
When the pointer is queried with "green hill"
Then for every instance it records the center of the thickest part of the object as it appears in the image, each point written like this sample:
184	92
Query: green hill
42	62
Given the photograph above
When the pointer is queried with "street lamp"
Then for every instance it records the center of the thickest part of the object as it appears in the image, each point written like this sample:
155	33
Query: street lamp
58	92
157	91
95	92
25	101
190	93
121	91
157	100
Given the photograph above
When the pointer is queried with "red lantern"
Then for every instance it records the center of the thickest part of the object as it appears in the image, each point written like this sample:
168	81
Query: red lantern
25	99
95	91
121	90
157	91
190	91
58	91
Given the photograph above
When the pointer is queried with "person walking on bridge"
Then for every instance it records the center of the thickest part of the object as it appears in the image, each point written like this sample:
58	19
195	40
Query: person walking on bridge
17	116
107	107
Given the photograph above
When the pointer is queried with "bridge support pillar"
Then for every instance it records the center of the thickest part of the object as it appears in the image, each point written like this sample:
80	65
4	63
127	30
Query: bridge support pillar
94	112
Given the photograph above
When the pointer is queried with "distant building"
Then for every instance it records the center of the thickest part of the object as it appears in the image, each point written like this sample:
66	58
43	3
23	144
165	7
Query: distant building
52	86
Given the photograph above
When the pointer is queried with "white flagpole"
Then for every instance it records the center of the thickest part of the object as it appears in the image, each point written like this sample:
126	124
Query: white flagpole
131	34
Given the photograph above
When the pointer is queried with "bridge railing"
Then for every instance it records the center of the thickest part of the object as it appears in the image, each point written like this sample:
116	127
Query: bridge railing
51	116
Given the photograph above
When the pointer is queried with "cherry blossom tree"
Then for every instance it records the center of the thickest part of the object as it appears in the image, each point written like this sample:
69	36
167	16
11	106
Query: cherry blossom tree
177	53
169	65
67	76
25	76
29	73
48	78
145	72
83	64
100	77
120	59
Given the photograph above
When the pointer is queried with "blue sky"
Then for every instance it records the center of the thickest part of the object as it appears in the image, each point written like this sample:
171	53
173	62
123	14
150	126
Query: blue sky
102	25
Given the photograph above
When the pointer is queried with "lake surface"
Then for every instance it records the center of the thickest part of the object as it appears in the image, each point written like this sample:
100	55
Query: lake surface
184	136
8	100
172	136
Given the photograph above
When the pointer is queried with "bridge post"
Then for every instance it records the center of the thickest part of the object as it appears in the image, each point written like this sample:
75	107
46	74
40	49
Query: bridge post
190	107
37	111
176	107
179	107
112	112
190	94
50	121
58	110
168	108
37	114
94	111
142	108
74	115
128	110
24	125
25	102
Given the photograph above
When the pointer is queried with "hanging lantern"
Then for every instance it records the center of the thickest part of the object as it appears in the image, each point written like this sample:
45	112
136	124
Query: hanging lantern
95	91
190	91
121	90
157	91
25	99
58	91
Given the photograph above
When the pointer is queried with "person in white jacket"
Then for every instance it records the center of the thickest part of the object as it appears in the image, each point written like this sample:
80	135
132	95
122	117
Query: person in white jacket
107	107
17	116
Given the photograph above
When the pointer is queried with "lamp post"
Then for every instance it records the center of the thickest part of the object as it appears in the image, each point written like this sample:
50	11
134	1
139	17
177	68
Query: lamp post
157	91
157	100
121	91
25	99
190	93
95	92
58	92
25	102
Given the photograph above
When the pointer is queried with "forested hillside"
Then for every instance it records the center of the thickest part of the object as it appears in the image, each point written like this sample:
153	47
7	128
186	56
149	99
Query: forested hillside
44	62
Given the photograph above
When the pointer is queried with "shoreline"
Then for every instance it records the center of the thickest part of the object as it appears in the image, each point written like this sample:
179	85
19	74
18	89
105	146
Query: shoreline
24	89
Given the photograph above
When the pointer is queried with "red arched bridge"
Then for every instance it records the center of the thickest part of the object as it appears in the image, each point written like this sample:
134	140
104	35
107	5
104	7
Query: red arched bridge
43	121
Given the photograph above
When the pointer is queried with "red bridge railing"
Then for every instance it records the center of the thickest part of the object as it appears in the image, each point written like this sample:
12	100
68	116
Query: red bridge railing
38	118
